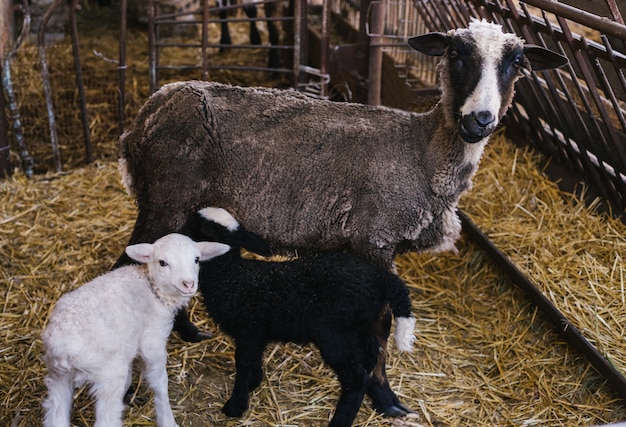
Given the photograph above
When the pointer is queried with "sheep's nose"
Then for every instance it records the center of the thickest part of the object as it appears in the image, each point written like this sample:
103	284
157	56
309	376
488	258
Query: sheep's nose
189	284
484	118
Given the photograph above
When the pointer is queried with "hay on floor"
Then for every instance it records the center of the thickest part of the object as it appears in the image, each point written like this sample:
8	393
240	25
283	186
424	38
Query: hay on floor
484	356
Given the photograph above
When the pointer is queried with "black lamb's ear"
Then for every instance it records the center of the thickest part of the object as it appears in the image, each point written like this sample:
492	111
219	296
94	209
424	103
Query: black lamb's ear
254	243
541	58
432	44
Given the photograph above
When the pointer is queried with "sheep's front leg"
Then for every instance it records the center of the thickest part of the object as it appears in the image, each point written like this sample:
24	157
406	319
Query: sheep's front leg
58	402
155	371
248	376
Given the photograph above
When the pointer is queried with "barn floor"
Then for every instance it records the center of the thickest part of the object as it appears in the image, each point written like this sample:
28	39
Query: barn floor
484	355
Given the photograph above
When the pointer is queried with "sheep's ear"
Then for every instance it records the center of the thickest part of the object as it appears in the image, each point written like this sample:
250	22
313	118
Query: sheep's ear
210	250
432	44
255	244
142	252
541	58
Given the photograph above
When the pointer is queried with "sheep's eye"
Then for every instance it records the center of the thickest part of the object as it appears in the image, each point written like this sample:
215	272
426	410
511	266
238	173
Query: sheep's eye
162	263
197	260
453	54
517	62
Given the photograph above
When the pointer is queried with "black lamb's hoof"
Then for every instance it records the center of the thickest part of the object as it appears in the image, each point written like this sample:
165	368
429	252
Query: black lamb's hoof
128	396
398	410
187	330
232	409
387	403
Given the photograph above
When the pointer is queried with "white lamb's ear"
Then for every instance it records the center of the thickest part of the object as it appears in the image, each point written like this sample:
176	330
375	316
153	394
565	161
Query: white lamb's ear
141	252
210	250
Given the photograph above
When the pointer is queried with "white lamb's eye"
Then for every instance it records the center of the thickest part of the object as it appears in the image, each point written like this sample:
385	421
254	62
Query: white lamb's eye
162	263
197	260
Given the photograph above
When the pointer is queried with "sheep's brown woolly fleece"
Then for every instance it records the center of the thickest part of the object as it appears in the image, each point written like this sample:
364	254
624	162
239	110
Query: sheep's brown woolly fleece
484	356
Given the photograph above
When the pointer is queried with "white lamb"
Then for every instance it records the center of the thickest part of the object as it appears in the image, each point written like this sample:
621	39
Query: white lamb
96	331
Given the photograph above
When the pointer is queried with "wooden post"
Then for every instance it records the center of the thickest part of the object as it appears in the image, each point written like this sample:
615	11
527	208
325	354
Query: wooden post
377	27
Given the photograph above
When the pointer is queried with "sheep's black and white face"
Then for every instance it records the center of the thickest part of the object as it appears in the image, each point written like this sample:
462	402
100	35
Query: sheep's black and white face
478	71
483	65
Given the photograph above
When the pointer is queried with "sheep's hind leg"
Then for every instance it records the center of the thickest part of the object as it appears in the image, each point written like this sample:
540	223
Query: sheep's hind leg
346	361
383	398
58	402
248	363
109	391
187	330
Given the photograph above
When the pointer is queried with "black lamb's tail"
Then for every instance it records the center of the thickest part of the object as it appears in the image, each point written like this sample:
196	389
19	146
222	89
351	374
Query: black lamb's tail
397	294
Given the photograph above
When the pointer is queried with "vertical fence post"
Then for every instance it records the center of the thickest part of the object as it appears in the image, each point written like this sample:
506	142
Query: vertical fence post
377	19
5	164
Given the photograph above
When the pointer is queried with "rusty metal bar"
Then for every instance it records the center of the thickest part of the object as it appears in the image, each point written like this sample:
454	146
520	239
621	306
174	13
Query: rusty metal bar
153	53
78	70
121	67
225	67
377	27
204	49
324	44
608	26
560	322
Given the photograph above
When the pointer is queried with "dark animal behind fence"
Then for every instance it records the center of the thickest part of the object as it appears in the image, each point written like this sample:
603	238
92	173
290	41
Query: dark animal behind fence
187	10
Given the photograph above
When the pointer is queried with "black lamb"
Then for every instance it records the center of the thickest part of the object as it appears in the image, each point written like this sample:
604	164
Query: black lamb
332	300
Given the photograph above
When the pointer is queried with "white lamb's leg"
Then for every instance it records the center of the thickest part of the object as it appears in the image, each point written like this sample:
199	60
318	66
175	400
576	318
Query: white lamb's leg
155	372
109	390
58	403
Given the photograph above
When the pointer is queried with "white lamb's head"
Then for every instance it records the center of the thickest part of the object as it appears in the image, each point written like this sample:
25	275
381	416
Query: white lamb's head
478	70
173	263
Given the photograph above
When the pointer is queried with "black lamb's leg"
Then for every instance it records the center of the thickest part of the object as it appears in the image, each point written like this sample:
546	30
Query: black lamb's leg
249	372
349	358
187	330
383	398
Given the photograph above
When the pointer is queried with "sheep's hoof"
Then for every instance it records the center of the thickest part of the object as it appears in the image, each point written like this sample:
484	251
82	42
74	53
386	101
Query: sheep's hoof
398	410
233	410
128	396
189	332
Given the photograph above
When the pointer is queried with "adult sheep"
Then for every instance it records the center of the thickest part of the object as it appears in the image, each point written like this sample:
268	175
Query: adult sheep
307	174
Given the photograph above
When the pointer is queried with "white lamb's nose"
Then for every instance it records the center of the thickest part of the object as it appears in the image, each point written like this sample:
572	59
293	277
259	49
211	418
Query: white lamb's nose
189	284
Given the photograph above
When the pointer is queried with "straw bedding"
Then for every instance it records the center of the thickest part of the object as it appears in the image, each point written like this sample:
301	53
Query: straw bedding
484	356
